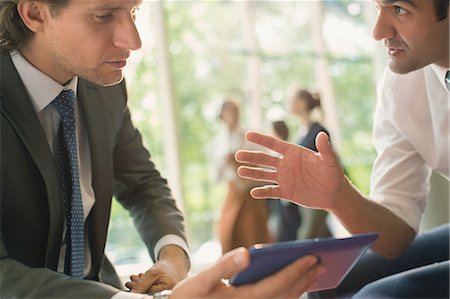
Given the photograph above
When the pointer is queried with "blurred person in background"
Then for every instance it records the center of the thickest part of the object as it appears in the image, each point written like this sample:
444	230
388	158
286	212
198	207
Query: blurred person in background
281	218
296	222
243	220
280	130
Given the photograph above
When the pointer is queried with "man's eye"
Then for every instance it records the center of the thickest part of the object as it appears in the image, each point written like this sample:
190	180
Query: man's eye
399	10
103	17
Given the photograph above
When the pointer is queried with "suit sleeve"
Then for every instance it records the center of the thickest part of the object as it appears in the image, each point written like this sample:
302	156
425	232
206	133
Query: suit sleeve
22	282
140	188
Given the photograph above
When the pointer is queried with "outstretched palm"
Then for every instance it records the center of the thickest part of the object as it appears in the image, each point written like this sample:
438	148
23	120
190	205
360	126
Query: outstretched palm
302	176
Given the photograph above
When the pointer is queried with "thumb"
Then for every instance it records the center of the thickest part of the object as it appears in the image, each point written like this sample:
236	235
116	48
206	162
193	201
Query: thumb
230	264
323	145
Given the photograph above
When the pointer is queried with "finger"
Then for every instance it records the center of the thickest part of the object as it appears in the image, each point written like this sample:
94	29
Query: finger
230	264
270	142
145	282
141	274
258	174
134	277
257	158
307	280
130	284
324	146
165	282
290	275
136	287
269	191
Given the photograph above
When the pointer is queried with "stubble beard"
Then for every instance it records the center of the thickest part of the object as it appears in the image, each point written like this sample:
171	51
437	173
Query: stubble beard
72	63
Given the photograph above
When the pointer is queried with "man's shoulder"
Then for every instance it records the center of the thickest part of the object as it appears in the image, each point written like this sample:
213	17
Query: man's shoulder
4	53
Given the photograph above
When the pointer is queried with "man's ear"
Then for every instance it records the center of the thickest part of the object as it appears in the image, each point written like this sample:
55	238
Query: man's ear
33	14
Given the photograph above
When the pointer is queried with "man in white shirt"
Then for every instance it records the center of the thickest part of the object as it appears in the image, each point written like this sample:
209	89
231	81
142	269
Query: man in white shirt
68	144
411	136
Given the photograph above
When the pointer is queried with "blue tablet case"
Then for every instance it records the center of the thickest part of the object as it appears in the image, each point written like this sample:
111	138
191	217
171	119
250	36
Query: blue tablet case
337	255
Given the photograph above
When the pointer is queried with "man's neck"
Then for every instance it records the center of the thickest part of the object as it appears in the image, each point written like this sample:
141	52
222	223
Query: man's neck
41	60
443	64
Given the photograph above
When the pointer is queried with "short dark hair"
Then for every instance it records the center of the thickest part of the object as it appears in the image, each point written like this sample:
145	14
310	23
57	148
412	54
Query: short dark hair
441	8
14	34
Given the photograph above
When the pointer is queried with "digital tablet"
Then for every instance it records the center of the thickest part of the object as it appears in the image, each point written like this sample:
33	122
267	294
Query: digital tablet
337	255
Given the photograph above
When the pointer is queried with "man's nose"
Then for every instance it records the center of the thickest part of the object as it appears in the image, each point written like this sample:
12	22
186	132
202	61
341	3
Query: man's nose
383	28
127	36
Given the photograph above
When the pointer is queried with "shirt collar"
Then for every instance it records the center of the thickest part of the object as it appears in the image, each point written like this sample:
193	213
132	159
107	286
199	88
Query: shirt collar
41	88
440	72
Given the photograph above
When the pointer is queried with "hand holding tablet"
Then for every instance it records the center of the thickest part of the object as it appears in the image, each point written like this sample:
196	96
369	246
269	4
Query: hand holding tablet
337	255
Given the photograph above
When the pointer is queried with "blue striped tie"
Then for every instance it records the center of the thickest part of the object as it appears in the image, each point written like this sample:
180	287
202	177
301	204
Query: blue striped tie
66	154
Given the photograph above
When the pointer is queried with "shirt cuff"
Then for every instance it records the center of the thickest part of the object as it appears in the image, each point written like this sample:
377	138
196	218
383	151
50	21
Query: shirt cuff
129	295
170	240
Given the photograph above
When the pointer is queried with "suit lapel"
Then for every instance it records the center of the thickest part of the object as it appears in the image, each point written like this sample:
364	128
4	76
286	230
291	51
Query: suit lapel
95	110
17	108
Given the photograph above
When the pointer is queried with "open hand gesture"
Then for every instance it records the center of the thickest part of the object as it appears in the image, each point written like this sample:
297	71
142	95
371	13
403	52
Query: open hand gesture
300	175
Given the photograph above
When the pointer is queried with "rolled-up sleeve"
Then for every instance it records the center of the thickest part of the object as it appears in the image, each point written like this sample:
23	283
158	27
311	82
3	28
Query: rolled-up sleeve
400	176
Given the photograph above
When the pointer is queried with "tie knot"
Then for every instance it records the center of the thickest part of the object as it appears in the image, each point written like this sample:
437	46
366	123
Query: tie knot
65	104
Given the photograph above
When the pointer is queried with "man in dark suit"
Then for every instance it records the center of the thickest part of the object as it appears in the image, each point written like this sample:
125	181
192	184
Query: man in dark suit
111	157
68	145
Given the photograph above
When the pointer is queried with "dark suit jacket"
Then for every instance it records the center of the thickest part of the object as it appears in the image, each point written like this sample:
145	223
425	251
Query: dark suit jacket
309	140
31	199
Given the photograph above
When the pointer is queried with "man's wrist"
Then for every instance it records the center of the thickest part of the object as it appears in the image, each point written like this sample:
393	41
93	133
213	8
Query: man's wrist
176	255
170	239
344	190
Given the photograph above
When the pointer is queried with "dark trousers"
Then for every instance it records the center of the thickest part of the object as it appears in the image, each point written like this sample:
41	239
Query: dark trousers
289	221
421	272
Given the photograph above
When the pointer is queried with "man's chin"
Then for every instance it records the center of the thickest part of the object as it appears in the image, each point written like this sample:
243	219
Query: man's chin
397	70
106	81
108	84
404	68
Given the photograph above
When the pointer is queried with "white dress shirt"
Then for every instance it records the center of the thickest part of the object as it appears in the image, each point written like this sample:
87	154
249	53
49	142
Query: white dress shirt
411	136
42	90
